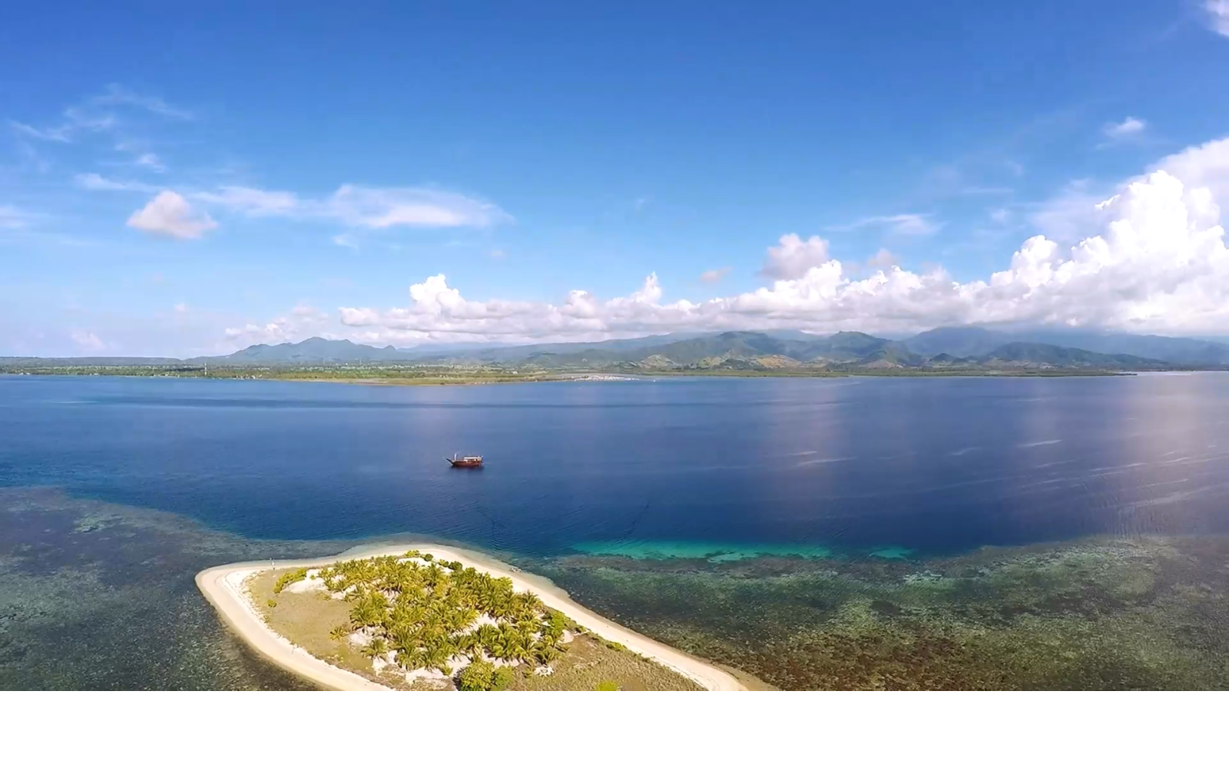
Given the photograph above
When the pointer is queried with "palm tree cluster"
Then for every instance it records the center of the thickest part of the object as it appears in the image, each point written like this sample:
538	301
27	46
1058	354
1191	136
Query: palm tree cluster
425	612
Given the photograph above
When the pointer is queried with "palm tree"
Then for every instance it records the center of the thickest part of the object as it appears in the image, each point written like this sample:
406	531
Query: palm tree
410	659
468	644
369	611
376	648
546	652
404	636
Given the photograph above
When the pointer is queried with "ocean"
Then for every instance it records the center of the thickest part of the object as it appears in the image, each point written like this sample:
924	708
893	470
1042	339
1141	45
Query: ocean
926	504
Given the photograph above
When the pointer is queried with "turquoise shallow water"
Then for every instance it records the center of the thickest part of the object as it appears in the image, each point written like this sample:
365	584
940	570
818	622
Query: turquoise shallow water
713	552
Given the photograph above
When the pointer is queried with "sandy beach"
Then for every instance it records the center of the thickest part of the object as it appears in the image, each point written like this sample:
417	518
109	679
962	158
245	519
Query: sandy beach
224	587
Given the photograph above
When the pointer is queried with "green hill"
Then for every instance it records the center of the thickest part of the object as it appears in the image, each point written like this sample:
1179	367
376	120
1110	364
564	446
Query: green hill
1020	352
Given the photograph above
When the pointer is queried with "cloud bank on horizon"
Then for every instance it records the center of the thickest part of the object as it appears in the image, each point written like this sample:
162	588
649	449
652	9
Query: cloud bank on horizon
1153	260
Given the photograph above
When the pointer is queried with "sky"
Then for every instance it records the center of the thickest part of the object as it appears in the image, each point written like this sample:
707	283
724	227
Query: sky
191	179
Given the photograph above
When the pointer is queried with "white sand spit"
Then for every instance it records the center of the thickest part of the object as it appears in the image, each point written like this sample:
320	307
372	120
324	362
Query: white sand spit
224	587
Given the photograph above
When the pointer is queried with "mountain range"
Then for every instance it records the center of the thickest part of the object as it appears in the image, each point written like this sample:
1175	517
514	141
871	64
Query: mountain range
941	348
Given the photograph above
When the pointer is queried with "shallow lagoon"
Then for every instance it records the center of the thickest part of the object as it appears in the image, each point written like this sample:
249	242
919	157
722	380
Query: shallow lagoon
96	595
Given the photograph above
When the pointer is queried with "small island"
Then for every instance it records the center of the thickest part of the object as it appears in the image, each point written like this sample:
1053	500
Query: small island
435	618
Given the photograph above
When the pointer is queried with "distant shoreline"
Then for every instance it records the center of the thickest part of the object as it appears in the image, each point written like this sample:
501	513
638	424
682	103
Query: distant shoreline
621	377
224	587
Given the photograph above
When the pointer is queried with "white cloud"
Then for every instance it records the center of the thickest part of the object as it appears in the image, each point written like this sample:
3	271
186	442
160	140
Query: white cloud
60	133
1217	16
792	256
1148	255
94	182
408	206
252	202
1159	265
119	96
1128	128
901	224
301	322
87	341
169	214
882	260
76	120
1072	212
86	117
354	206
714	275
365	207
151	161
1206	165
181	308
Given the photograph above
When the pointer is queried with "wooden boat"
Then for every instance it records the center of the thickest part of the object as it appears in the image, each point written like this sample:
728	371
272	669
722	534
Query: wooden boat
464	462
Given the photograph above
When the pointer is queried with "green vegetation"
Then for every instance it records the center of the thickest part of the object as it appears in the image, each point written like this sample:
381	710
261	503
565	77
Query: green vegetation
942	352
289	578
482	675
471	375
476	677
378	373
606	685
589	662
414	615
426	613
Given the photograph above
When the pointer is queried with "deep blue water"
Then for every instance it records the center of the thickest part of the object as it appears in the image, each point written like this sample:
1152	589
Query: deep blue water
931	465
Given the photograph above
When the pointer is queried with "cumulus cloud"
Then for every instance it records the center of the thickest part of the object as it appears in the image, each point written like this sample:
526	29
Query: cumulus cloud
1129	127
792	257
1151	258
1206	165
299	323
1217	16
883	259
714	275
169	214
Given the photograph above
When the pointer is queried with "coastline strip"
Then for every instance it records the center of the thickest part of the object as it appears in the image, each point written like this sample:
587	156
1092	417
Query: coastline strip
223	587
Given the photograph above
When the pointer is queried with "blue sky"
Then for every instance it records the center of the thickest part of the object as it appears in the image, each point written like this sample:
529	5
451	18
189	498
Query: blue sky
184	180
